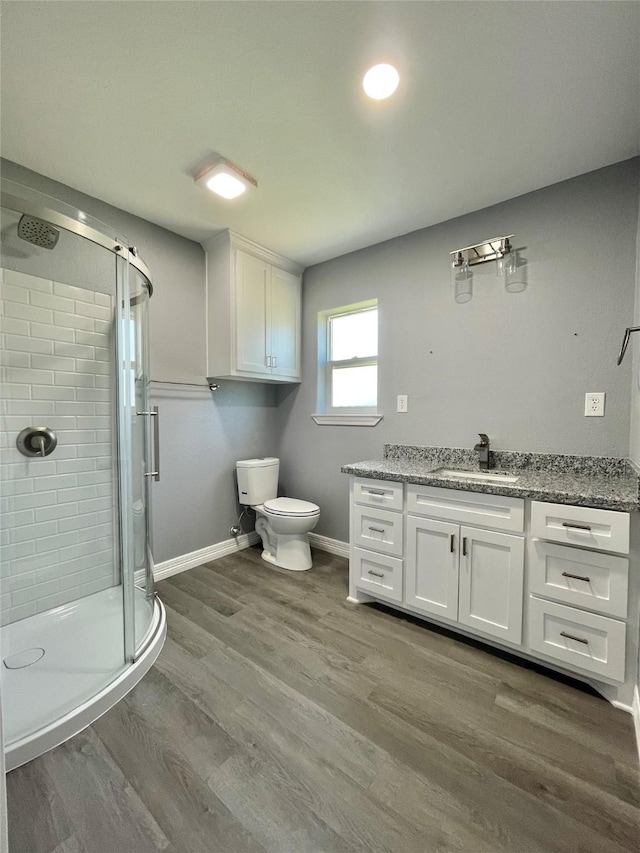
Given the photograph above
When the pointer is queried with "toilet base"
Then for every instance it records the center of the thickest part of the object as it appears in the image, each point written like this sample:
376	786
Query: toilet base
292	553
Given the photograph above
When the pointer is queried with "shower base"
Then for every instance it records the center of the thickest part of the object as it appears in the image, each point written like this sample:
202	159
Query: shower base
81	674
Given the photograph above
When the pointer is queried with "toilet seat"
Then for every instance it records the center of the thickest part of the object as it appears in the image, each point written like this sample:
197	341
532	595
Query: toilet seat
290	507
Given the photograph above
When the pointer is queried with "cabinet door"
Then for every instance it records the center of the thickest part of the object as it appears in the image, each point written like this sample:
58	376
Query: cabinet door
491	583
285	324
253	336
431	566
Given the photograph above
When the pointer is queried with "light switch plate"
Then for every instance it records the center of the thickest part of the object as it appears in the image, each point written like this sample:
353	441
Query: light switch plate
403	403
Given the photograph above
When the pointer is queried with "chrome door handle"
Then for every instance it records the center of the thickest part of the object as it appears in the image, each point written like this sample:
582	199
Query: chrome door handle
155	414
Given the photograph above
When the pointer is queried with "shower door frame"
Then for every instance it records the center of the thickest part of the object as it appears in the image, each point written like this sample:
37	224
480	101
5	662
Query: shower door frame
61	220
125	256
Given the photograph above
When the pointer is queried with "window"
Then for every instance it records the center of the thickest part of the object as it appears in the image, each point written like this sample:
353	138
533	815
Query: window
348	364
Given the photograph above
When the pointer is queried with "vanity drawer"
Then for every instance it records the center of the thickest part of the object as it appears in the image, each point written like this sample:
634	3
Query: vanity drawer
377	574
378	529
383	493
577	639
496	511
604	529
582	578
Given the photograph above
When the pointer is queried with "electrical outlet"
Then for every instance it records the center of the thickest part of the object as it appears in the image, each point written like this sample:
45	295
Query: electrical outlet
594	404
403	403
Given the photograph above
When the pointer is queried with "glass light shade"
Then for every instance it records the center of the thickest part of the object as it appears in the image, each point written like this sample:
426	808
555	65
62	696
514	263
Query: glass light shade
226	180
506	263
515	279
226	185
380	81
462	282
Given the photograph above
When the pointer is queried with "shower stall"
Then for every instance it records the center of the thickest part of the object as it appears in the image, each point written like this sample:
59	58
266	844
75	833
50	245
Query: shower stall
81	623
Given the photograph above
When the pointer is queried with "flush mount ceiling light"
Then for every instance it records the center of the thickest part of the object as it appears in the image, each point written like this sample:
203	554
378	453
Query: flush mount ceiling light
226	179
380	81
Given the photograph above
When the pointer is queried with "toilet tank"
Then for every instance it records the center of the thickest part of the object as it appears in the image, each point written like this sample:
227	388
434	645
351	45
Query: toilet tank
257	480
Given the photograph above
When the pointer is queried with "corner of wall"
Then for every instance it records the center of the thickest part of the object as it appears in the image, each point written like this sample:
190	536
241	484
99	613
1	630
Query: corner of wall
634	435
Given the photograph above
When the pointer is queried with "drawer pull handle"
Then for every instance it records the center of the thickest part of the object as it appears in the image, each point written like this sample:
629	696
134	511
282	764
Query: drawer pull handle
576	577
577	526
571	637
376	492
453	543
464	546
375	574
377	529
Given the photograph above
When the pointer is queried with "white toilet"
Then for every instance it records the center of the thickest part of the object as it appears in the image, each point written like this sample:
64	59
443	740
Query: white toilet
283	523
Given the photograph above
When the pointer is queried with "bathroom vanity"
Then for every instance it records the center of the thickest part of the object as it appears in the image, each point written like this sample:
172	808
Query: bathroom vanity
542	561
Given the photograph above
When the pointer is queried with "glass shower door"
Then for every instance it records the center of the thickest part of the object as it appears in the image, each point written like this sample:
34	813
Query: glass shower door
137	429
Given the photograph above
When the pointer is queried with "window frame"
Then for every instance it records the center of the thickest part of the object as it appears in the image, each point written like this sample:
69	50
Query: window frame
346	415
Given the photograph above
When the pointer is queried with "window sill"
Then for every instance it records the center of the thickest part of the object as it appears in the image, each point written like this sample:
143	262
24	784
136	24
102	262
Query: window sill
347	420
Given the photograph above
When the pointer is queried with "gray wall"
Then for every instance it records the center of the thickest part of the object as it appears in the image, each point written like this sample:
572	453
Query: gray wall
513	365
201	435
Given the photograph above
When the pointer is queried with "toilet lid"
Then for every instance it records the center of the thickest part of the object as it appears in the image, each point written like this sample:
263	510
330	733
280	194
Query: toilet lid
291	506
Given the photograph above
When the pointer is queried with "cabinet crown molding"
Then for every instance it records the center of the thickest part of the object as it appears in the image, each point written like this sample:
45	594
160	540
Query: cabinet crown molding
237	241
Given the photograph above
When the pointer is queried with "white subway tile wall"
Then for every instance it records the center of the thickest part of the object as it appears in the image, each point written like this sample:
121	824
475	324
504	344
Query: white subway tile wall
57	514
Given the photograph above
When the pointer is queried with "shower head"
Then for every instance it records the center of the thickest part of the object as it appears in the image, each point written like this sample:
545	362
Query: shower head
37	231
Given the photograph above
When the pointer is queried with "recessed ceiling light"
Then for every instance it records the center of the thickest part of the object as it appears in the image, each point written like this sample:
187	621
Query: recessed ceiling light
380	81
226	179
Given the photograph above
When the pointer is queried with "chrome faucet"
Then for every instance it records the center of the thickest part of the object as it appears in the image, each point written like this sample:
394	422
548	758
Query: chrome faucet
482	448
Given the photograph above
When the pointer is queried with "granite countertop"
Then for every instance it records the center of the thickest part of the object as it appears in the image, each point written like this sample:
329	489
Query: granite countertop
594	481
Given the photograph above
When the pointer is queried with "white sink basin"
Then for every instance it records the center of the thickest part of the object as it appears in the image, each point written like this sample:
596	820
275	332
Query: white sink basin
483	476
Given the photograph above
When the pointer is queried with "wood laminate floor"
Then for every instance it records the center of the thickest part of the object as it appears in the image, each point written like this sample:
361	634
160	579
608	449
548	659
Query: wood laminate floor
280	718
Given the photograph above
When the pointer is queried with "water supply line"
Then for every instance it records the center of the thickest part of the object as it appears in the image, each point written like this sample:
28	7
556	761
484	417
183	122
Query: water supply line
236	529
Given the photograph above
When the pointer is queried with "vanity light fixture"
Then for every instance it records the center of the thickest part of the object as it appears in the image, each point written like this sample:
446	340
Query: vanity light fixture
226	179
380	81
498	249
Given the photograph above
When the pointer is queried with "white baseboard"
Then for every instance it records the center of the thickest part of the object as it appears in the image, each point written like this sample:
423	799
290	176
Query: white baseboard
332	546
635	710
204	555
230	546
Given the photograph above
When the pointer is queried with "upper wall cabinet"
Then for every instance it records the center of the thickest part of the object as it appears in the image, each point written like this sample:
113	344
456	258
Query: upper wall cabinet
253	312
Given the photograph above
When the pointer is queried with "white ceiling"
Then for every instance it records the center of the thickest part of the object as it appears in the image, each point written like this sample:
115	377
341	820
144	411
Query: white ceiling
123	100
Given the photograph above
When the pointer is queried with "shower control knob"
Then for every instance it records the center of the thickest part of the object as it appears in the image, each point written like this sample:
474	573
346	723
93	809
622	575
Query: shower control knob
36	441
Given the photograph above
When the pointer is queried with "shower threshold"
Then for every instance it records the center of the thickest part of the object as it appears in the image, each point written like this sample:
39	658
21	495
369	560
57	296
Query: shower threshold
81	674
